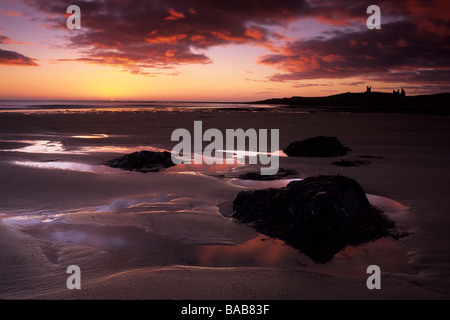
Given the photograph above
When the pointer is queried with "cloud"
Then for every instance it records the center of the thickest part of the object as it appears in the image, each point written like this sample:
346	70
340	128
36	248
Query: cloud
397	52
306	85
8	40
173	15
136	35
133	34
12	57
10	13
354	83
412	45
15	58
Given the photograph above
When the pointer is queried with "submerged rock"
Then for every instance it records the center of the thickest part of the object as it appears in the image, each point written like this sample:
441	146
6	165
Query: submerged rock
143	161
316	147
319	216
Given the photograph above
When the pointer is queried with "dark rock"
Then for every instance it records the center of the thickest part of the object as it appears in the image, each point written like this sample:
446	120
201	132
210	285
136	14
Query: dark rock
282	173
317	147
319	216
143	161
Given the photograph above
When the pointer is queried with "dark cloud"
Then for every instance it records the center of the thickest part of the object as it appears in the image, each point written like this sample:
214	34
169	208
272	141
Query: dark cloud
397	52
306	85
137	34
412	46
12	57
15	58
354	83
4	39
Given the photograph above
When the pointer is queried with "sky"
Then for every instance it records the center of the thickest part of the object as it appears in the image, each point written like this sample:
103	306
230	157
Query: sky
231	50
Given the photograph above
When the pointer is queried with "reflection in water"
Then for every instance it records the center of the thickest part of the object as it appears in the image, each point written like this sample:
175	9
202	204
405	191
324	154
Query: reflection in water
57	147
115	149
72	166
206	164
385	204
91	136
149	247
99	107
121	204
53	227
39	146
201	168
125	245
94	236
241	155
83	167
260	251
31	219
199	164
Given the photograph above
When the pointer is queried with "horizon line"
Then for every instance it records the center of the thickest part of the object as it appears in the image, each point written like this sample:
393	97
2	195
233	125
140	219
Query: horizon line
198	101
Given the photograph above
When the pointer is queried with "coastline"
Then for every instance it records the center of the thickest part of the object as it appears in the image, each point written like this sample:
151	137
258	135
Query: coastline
371	102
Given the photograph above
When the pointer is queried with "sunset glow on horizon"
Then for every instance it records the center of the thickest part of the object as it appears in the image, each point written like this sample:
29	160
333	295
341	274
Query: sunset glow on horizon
198	50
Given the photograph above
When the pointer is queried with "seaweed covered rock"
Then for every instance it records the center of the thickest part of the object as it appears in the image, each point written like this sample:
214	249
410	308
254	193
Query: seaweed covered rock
319	216
143	161
317	147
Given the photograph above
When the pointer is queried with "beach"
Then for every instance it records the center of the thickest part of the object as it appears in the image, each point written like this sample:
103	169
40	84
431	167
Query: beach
170	234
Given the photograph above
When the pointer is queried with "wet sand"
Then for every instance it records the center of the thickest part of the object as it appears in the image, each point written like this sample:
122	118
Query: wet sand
168	235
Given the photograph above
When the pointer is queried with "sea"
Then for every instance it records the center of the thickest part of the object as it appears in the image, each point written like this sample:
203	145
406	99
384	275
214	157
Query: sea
42	105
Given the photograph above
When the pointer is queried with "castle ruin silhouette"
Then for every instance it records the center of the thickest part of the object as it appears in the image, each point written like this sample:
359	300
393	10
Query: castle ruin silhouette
401	93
